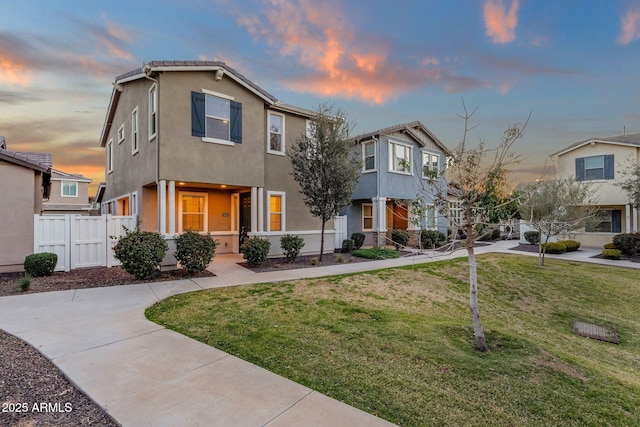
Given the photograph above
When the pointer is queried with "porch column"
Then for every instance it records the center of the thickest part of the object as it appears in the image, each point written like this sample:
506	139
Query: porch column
380	220
254	209
627	217
162	206
635	219
172	207
261	209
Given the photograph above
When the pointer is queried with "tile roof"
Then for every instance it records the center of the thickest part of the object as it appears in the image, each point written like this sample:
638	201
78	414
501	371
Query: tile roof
34	160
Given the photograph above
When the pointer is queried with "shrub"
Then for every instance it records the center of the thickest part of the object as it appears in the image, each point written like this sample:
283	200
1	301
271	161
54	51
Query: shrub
41	264
25	283
400	237
431	238
571	245
376	253
554	248
347	245
314	261
358	240
255	250
140	252
532	236
195	251
291	246
628	243
611	253
339	258
610	246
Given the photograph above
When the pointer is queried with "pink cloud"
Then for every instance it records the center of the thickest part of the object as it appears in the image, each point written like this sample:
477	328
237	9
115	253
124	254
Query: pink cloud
501	23
630	26
13	72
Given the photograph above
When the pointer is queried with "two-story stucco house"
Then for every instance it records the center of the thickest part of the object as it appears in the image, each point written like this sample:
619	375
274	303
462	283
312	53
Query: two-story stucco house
601	161
196	145
69	194
394	163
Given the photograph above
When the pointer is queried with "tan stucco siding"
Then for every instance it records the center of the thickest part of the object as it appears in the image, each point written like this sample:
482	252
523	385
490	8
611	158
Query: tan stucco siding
608	193
55	195
188	158
20	195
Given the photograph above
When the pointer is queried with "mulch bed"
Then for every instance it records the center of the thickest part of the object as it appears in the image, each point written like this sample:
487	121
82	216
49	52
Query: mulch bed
523	247
305	261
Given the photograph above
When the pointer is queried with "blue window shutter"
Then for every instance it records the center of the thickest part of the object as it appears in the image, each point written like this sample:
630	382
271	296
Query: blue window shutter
197	114
236	122
616	221
608	166
580	169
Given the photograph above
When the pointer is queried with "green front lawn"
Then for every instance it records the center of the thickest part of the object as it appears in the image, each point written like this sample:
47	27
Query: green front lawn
398	343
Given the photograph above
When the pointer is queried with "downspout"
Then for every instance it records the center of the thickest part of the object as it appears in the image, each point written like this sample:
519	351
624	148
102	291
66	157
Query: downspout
378	152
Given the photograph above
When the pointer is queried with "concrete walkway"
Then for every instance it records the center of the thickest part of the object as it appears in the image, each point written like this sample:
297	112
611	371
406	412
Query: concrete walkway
146	375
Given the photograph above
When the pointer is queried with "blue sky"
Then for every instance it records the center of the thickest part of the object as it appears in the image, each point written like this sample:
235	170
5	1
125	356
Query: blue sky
574	64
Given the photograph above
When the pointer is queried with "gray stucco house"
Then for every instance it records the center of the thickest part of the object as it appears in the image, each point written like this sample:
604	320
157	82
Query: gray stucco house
196	145
394	160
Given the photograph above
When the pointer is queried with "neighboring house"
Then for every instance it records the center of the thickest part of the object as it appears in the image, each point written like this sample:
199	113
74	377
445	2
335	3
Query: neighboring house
601	161
25	180
394	162
196	145
69	194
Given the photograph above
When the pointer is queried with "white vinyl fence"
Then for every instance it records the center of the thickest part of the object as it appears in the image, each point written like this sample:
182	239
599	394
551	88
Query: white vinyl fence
79	241
340	225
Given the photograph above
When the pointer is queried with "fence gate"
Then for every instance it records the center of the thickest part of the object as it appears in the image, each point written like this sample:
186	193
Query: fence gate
79	241
340	225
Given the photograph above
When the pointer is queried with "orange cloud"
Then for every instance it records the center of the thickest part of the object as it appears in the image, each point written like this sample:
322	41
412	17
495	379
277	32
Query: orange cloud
630	23
13	73
500	23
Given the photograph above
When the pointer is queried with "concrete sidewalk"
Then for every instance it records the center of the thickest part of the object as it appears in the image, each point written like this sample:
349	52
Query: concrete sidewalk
146	375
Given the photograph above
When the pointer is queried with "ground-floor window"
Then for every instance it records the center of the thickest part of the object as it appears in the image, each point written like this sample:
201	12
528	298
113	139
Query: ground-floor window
367	216
193	211
276	211
606	221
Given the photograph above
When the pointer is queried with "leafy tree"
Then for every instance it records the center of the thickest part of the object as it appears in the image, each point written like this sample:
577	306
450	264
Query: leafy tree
631	182
324	166
557	207
477	178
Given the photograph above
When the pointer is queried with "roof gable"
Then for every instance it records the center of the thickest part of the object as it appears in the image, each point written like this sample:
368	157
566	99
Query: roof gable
37	161
416	131
629	139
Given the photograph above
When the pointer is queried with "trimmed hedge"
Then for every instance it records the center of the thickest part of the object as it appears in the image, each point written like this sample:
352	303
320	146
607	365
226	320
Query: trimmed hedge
140	252
432	238
532	236
41	264
611	253
554	248
255	251
571	245
610	246
194	251
347	245
376	253
358	240
400	238
628	243
291	245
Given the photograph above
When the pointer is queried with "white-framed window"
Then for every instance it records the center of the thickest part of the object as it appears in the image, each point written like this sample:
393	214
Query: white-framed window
430	164
218	115
455	212
275	133
368	156
193	211
134	131
276	214
69	189
109	164
367	216
121	134
134	203
400	156
153	111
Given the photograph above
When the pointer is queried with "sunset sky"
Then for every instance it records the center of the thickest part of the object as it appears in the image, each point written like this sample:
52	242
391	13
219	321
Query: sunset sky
574	64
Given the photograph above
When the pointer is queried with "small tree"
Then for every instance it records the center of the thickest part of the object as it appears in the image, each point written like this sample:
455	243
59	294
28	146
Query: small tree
631	182
324	166
477	178
557	207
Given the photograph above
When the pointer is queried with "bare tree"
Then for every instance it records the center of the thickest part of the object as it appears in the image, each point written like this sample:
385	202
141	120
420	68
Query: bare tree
476	178
324	166
631	182
557	207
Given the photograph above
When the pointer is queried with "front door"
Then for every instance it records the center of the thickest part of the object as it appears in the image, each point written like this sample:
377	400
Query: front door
245	215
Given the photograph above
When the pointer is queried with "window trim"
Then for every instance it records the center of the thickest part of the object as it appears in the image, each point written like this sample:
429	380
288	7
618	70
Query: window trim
282	151
283	210
153	111
391	154
206	115
62	184
364	157
205	223
109	160
135	137
121	134
368	216
429	165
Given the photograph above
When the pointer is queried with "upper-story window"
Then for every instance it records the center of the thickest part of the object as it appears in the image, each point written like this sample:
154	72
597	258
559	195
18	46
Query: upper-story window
595	168
216	118
110	156
134	131
430	164
153	111
276	133
369	156
121	134
69	189
400	156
